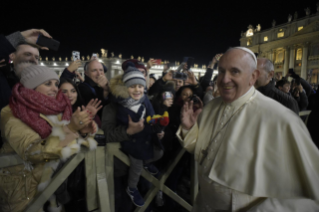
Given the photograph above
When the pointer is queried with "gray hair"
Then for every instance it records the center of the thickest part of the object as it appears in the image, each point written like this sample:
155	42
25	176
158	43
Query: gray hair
268	65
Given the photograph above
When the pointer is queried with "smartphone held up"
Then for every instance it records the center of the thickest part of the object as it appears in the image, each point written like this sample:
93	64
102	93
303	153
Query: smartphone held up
48	42
75	55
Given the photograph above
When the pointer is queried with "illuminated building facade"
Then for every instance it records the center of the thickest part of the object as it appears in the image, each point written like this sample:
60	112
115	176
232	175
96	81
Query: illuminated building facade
294	44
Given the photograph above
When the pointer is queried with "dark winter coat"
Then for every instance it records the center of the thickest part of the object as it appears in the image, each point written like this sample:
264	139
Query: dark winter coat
139	145
272	92
312	124
90	90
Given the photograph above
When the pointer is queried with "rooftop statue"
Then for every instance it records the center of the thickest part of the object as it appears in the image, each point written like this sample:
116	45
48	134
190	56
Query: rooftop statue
289	18
307	10
273	23
258	28
103	53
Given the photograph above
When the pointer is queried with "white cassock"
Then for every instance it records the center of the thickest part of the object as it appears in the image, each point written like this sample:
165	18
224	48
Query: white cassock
260	157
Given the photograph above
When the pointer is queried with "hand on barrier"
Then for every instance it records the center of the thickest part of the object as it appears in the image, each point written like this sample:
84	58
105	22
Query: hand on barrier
134	127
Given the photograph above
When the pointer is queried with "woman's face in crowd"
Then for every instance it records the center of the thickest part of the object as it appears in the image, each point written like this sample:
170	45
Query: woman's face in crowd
186	93
136	91
70	92
168	102
179	83
48	88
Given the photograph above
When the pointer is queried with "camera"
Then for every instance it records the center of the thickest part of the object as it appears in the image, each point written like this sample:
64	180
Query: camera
195	99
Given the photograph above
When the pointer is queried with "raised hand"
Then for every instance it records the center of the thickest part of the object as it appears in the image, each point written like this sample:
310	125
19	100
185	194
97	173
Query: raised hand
93	107
78	75
74	65
191	79
79	120
134	127
188	116
90	128
150	63
31	36
102	81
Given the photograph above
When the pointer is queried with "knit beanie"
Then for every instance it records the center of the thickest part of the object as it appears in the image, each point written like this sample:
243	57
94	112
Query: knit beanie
132	76
133	63
33	76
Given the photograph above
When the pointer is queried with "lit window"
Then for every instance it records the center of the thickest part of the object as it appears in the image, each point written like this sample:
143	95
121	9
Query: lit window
300	28
280	34
280	30
265	38
299	54
280	57
248	42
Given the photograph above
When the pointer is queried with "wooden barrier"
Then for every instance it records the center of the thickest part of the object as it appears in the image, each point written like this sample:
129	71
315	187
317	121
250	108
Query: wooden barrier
99	173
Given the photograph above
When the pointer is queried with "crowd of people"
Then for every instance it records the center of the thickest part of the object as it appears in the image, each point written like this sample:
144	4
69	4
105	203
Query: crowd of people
254	151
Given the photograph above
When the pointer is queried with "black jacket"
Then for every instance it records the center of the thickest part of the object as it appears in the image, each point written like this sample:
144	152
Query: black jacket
7	77
312	123
302	101
90	90
272	92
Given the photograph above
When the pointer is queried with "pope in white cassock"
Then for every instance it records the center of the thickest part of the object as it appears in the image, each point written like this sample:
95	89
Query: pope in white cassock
253	153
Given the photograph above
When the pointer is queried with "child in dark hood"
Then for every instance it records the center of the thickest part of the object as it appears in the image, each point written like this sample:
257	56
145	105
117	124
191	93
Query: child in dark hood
133	108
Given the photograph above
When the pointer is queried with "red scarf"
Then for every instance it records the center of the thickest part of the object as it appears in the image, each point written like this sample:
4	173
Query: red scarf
27	104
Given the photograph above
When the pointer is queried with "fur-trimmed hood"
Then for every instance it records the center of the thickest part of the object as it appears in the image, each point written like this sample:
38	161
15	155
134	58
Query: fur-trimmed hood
118	88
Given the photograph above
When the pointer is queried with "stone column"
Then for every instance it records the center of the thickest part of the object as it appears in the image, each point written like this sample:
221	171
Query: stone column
285	71
269	55
304	61
292	57
273	56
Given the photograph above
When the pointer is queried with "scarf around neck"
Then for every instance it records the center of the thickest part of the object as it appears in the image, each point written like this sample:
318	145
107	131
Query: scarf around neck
130	102
27	104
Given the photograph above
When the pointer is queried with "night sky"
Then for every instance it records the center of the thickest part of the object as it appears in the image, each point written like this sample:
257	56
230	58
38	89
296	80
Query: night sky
158	29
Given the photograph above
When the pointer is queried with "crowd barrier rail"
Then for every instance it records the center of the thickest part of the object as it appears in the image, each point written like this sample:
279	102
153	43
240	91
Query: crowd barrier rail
99	171
305	115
